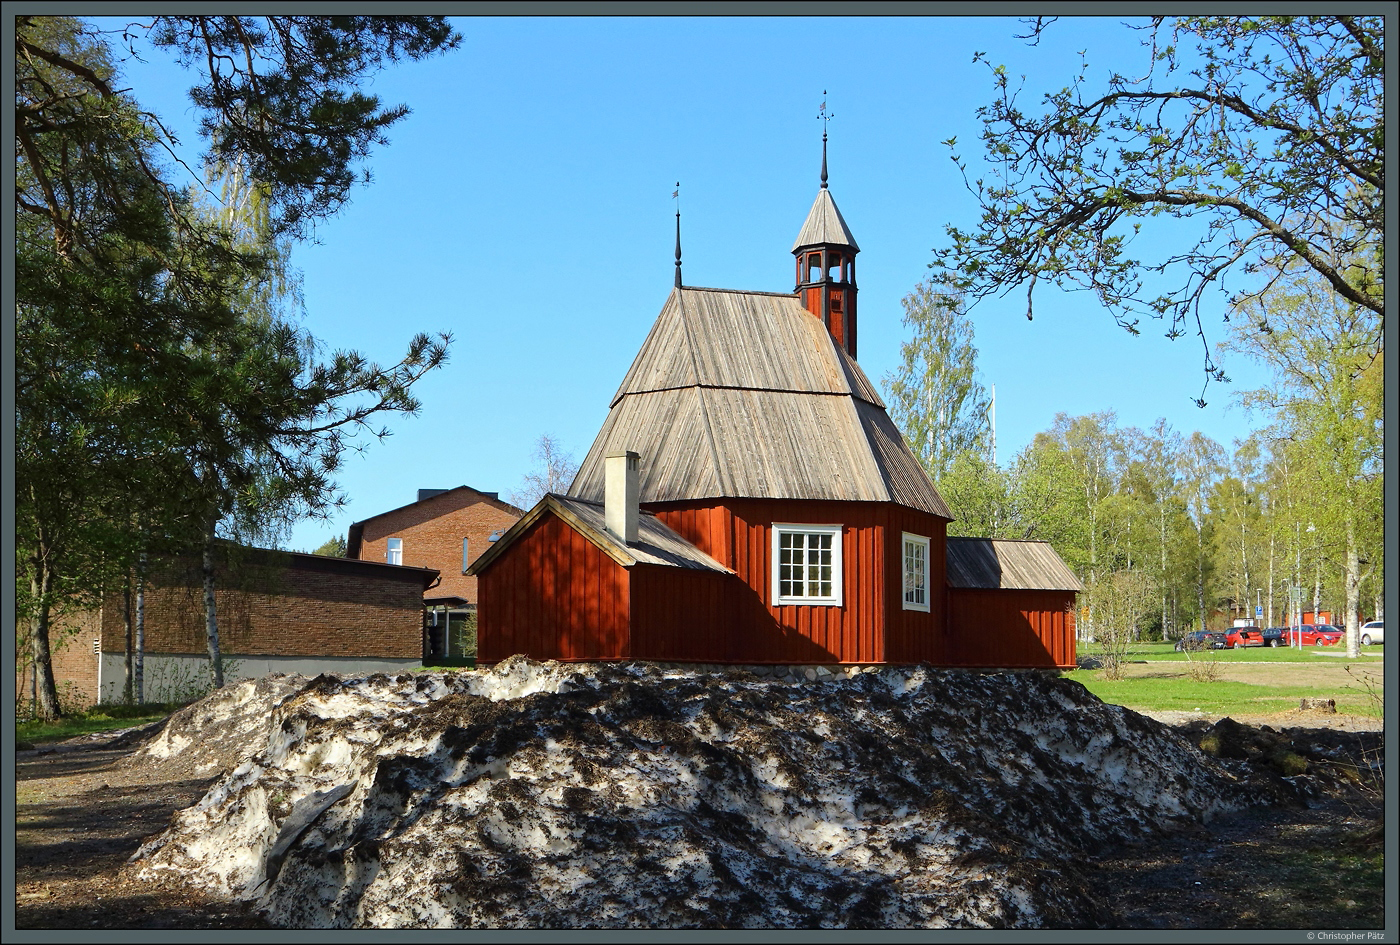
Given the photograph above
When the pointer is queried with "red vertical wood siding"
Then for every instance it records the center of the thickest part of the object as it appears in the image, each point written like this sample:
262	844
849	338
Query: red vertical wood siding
916	636
679	614
555	595
870	626
1012	629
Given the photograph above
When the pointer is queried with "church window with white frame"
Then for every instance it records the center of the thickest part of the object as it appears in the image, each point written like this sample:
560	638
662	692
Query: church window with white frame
916	596
807	564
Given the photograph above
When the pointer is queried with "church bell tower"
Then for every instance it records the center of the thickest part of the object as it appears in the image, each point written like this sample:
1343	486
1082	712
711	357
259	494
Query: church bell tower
826	265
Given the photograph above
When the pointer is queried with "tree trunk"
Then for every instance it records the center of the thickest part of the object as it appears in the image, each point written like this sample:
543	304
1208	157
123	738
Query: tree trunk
1353	594
1271	578
1244	562
1201	576
1162	548
211	621
46	689
128	628
138	688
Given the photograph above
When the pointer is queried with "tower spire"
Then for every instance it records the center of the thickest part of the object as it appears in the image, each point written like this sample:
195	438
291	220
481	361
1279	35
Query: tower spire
826	261
676	194
826	117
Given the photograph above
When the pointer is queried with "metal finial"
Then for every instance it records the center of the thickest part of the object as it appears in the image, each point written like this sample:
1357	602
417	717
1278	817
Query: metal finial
676	194
826	117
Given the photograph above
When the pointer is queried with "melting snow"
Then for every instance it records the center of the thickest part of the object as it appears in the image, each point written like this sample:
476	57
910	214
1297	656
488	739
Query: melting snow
548	795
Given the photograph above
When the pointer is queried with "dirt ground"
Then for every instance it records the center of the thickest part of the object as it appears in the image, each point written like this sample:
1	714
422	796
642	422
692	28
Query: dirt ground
82	811
1324	672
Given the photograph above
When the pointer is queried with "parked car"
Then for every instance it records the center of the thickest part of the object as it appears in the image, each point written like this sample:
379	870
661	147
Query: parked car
1244	636
1314	634
1373	631
1273	636
1334	633
1201	640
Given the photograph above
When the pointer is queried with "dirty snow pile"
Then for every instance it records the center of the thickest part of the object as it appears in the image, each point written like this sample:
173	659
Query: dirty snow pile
550	795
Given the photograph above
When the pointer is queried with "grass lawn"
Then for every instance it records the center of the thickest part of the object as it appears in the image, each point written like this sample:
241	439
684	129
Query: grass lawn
97	719
1251	654
1220	697
1252	681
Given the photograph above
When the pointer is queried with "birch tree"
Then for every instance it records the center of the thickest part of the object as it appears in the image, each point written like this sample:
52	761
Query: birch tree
935	395
1325	397
1202	462
554	471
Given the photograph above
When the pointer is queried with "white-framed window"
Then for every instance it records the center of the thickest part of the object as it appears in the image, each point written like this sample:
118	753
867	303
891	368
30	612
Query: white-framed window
466	559
394	552
807	564
915	572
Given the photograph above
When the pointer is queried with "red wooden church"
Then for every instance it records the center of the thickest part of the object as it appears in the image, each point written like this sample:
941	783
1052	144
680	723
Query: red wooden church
748	500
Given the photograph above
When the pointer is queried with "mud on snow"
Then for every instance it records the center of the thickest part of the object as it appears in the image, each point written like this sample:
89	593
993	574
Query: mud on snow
603	795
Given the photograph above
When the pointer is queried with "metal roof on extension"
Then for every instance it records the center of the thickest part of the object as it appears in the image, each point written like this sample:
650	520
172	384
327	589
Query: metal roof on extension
999	564
656	543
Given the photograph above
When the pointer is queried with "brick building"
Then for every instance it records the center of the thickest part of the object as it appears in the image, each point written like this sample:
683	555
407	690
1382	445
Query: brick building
445	530
278	611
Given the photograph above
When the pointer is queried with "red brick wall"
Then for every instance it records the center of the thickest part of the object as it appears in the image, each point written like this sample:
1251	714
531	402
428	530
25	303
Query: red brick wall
281	605
74	663
432	533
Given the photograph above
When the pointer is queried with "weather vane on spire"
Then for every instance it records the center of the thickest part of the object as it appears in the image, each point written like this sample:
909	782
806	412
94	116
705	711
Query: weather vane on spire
826	117
676	195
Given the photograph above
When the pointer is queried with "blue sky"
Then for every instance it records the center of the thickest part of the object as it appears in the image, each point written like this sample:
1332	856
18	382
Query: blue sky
525	206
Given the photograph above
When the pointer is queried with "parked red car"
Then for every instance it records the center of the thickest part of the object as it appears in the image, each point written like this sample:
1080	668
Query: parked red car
1244	636
1314	634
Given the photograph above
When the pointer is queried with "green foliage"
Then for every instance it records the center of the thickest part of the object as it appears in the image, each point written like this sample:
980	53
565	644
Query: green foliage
979	495
282	95
1114	503
161	386
1170	532
1264	133
1325	402
334	548
105	296
935	396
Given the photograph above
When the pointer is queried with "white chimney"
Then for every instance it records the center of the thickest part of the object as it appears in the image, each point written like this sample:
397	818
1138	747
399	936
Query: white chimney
622	489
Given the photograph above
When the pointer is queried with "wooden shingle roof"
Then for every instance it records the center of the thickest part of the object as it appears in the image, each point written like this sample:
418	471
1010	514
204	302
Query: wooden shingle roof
824	224
746	394
997	564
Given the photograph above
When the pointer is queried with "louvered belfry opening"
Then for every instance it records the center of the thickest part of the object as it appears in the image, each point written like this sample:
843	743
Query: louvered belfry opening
826	270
